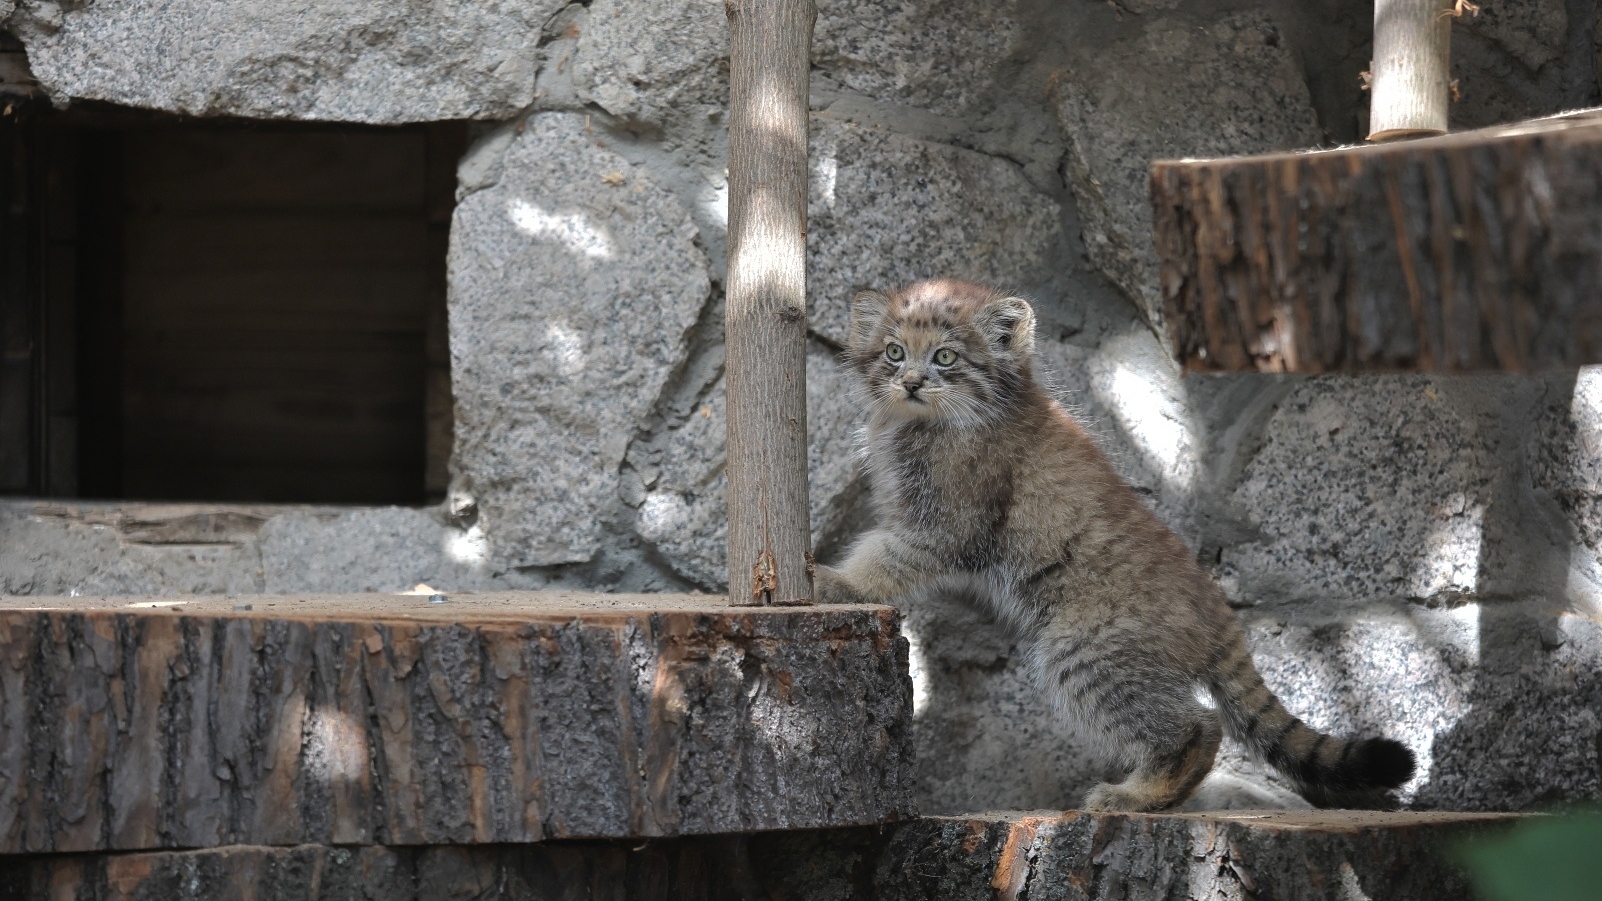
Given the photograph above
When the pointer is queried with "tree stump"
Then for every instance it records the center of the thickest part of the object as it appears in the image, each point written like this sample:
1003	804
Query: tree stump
1467	252
1284	855
1290	855
181	723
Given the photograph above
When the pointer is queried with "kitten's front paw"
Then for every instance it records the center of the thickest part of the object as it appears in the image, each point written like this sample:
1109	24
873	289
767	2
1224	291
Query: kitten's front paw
1108	797
832	588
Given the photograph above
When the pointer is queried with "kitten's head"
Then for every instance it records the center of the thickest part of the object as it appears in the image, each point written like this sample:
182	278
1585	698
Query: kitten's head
941	350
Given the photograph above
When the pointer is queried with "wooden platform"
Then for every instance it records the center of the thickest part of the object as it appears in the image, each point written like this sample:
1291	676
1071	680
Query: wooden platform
1286	855
1289	856
1468	252
143	723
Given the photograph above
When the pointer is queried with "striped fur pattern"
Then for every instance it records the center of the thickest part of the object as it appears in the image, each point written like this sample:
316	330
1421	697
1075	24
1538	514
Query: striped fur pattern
984	486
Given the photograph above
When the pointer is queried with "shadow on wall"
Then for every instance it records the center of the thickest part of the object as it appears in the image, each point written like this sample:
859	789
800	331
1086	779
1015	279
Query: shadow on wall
1533	692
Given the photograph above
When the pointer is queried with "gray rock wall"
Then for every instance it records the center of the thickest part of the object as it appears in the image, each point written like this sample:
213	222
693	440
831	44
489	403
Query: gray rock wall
1363	518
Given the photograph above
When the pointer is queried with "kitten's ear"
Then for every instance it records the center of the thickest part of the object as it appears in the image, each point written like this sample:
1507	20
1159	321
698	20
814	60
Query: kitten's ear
868	309
1009	324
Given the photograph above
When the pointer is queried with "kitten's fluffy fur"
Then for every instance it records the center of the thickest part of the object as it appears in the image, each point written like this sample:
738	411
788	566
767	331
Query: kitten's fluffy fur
986	487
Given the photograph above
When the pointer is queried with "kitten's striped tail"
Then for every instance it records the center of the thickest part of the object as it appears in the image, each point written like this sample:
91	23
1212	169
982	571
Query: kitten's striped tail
1328	771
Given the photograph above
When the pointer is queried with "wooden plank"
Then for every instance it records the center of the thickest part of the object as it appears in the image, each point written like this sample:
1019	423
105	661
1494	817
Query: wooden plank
149	723
1467	252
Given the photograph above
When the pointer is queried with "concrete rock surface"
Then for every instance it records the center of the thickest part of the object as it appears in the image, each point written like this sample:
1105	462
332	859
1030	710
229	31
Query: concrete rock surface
1396	506
365	61
575	280
887	50
1534	31
885	209
665	64
1231	86
684	513
1500	702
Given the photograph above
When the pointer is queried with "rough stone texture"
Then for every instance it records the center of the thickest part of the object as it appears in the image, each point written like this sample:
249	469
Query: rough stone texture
804	866
886	50
1289	856
1533	31
1501	702
574	282
367	61
885	209
103	548
1229	87
664	63
472	719
1395	506
1564	460
684	513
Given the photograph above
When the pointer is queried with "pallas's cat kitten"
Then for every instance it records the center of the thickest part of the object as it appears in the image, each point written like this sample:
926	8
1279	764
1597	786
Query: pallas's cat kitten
987	488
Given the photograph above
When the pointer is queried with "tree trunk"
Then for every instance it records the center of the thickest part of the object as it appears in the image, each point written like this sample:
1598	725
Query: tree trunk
491	718
1467	252
770	542
1411	83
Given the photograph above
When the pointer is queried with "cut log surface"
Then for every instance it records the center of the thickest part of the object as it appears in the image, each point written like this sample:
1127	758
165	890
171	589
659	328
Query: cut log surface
1467	252
1288	855
1076	857
131	723
832	864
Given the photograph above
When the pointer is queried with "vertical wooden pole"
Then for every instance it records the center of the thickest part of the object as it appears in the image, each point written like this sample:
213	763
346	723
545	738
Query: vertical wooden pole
770	542
1412	71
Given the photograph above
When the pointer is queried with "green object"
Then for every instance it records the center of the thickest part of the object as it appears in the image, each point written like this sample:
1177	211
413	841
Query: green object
1549	858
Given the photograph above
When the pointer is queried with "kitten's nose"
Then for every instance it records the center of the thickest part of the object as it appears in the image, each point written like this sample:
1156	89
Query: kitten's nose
912	381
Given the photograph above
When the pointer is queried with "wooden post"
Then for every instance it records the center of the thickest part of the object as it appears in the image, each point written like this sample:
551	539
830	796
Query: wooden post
1412	74
770	542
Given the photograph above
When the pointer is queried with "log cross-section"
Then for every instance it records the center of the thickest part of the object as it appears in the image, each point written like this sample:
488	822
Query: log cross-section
131	724
1467	252
765	327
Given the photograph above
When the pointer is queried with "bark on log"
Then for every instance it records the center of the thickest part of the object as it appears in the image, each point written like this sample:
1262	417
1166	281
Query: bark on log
491	718
1285	855
1411	74
765	329
805	866
1467	252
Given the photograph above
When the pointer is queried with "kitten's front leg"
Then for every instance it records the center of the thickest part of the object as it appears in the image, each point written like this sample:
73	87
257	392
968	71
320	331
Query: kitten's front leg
878	569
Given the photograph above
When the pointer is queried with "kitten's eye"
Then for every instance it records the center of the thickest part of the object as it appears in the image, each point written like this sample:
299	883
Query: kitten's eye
896	353
945	356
